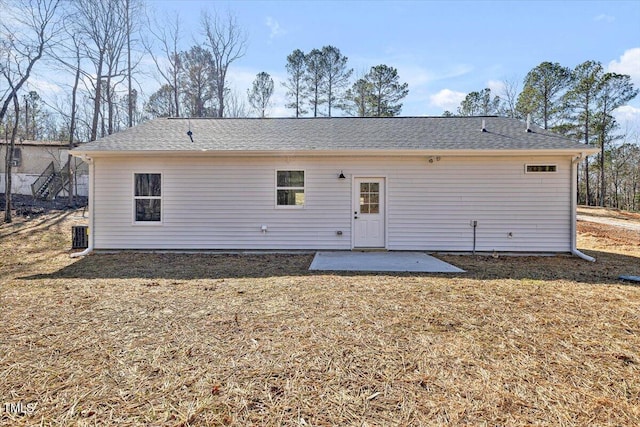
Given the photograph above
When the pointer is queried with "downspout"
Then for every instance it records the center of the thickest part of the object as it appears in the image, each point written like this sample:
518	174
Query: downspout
574	206
92	178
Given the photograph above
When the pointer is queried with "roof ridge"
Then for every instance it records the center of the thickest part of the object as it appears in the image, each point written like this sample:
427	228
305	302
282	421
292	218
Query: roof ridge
332	117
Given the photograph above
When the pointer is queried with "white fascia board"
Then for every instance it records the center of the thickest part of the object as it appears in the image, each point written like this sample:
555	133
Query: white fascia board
335	153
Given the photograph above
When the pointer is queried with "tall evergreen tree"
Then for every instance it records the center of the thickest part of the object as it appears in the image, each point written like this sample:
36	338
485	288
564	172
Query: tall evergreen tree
386	91
480	104
198	83
315	78
295	83
542	93
614	90
261	92
161	103
336	75
581	99
32	115
359	99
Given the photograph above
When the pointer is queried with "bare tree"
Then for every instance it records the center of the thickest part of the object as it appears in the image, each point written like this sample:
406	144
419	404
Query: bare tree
24	37
103	24
72	121
128	19
227	43
168	34
235	105
116	43
509	96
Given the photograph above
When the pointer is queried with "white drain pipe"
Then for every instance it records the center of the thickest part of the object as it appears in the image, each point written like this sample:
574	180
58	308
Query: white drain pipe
92	178
574	206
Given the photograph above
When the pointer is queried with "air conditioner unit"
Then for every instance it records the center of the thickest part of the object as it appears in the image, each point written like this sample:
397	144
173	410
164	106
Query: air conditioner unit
79	237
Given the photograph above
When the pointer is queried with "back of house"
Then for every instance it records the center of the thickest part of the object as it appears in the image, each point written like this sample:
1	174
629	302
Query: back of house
409	183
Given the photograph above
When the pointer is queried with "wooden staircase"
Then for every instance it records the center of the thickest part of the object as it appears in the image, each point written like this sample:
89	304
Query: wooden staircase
50	182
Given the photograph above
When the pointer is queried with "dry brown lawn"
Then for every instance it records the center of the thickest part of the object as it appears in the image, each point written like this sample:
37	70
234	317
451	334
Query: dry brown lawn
212	340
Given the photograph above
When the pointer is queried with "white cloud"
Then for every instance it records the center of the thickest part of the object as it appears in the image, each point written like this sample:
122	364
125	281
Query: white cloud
413	75
496	86
275	29
629	63
44	88
628	117
604	18
447	99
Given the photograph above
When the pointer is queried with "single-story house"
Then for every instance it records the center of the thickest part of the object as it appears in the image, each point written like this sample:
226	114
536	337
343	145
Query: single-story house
404	183
34	161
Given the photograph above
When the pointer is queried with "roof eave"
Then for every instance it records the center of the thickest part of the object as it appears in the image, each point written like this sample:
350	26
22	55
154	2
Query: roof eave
332	153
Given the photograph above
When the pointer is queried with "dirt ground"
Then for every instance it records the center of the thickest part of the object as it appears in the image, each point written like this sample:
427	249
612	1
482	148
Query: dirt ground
619	219
192	340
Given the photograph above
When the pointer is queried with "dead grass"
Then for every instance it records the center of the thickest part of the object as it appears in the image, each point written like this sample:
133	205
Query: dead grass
195	340
608	213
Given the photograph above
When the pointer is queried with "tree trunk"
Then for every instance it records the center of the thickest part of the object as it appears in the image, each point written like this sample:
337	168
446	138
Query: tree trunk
72	124
26	118
587	199
130	103
9	160
602	139
97	100
586	160
109	105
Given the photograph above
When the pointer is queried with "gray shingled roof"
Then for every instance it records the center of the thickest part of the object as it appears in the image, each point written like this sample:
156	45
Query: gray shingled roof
331	134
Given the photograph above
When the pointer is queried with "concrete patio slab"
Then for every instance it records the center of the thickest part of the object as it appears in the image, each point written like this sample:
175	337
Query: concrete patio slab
416	262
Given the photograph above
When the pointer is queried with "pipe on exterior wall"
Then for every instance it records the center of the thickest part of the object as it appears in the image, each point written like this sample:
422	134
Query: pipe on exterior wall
92	178
574	206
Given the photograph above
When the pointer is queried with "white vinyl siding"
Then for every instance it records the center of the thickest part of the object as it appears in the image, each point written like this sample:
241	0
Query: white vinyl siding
222	203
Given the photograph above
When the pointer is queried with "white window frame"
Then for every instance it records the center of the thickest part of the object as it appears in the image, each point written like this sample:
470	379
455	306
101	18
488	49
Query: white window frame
17	159
527	171
134	197
303	188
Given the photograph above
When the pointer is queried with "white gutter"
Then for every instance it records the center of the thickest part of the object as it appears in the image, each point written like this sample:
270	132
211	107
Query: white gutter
92	178
574	206
333	153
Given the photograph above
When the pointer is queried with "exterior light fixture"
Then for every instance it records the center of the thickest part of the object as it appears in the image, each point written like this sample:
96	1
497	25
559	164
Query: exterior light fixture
341	176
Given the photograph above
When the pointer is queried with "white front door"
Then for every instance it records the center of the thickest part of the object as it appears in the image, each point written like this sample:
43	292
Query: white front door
368	213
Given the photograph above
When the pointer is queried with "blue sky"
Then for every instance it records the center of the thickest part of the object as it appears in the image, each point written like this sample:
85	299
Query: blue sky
442	49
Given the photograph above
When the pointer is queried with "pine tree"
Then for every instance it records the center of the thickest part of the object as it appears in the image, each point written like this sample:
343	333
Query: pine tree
261	92
542	93
336	76
480	104
295	83
315	78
